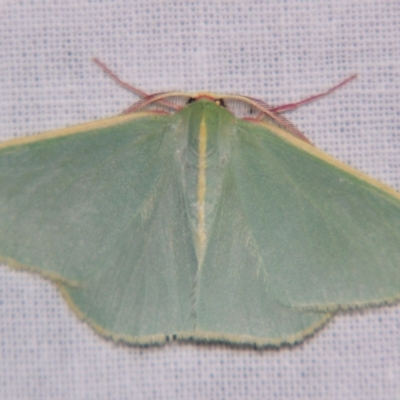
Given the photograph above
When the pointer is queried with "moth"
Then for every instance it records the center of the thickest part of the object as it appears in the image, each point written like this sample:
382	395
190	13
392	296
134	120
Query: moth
196	224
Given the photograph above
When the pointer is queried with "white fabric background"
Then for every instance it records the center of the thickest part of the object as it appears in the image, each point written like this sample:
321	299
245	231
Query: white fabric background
279	51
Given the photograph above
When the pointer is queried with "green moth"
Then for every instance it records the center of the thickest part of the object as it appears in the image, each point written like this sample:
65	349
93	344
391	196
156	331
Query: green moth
198	225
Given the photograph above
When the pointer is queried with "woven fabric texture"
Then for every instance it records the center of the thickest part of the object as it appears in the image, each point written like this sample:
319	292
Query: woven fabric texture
278	51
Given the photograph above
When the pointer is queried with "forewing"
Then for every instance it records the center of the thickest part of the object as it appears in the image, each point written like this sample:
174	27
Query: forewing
327	236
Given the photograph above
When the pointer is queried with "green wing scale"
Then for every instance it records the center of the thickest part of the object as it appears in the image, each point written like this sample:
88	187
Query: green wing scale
197	226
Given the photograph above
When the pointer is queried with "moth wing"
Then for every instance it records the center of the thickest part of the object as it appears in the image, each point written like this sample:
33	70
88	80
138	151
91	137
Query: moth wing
297	235
101	211
328	236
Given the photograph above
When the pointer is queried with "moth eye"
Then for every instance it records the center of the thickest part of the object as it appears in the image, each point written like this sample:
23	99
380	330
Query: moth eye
220	102
191	100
